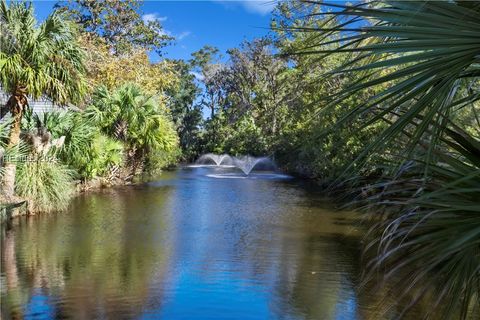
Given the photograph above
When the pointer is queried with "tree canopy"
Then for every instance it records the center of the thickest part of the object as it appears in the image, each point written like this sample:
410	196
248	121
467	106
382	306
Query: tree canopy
120	23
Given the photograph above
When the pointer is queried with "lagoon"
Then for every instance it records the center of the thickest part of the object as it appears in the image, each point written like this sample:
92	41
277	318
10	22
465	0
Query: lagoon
192	246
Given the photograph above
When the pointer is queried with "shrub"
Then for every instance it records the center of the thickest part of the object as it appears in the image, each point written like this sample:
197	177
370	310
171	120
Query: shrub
47	184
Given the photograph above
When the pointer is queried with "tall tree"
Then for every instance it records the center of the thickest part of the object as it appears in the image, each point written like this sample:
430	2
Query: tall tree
120	23
250	93
186	112
258	83
208	69
304	148
36	60
113	71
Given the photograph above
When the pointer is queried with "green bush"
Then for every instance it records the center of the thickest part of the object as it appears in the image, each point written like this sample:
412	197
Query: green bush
139	121
104	153
47	184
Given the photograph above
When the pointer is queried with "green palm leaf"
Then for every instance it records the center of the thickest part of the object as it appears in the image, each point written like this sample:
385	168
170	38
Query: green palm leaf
424	50
426	55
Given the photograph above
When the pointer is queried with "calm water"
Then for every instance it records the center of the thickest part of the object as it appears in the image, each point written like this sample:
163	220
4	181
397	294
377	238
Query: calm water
196	244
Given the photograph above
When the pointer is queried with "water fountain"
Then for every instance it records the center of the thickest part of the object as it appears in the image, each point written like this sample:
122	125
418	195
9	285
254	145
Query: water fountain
246	164
218	159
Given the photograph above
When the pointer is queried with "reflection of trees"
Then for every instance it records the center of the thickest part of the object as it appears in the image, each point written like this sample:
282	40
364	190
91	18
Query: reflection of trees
324	279
315	277
101	260
309	255
9	268
103	269
266	240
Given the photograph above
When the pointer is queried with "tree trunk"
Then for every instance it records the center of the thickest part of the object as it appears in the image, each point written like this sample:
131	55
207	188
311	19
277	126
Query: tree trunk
16	104
212	109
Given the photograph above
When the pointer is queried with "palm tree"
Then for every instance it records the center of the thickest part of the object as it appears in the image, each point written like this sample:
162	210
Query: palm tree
35	60
134	118
426	54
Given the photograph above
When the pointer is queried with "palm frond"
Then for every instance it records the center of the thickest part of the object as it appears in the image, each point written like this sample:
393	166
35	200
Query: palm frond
420	61
425	51
46	59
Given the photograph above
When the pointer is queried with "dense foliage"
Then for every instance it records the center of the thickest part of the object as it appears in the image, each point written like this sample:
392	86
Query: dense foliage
380	99
137	120
112	71
187	115
126	128
119	23
426	56
35	60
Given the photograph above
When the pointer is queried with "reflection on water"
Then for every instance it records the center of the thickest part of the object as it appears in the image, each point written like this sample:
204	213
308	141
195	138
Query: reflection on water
189	246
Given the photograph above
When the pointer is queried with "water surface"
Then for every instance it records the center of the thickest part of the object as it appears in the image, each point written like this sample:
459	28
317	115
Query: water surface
192	245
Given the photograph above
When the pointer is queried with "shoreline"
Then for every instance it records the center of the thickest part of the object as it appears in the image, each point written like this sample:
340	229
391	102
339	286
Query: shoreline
18	207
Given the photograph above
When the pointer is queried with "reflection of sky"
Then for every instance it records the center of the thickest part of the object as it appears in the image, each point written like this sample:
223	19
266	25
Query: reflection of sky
212	272
194	297
219	270
227	249
347	310
346	307
39	307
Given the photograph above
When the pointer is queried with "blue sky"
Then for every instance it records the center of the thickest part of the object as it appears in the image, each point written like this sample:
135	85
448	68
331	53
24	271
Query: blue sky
224	24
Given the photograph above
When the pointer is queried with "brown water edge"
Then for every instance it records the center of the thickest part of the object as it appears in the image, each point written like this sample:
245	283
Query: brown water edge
189	246
18	206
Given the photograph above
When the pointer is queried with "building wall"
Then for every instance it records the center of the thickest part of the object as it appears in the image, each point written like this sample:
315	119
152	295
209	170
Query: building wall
38	106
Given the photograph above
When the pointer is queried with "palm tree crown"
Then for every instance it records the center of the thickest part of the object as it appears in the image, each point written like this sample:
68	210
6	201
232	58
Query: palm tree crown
129	115
36	60
42	59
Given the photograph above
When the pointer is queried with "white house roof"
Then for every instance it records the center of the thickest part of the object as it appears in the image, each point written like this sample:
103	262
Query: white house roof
38	106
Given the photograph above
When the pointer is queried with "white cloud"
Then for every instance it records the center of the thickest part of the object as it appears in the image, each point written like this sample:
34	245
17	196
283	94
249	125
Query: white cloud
148	17
262	7
164	32
197	75
152	17
259	6
183	35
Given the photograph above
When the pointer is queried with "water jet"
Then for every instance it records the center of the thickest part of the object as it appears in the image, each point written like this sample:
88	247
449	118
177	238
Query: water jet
245	163
218	159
